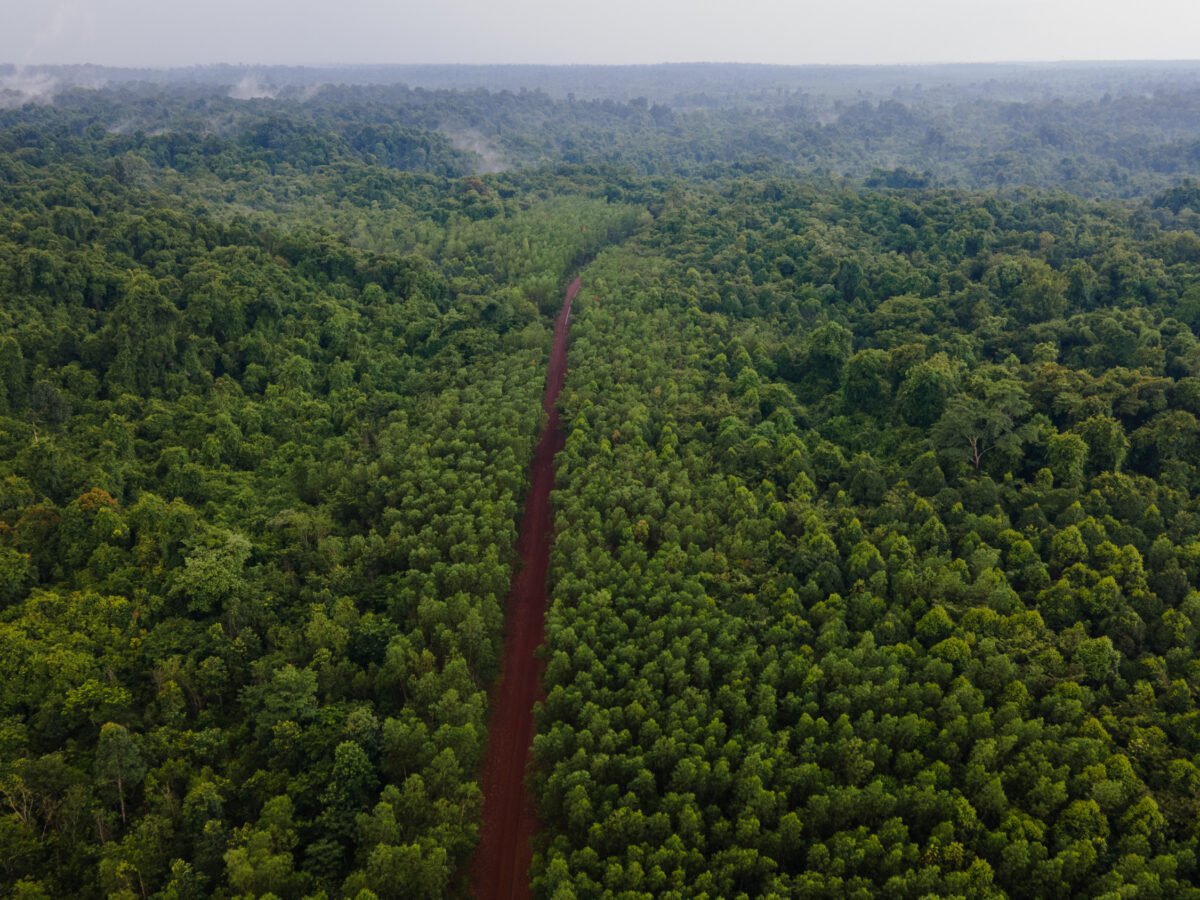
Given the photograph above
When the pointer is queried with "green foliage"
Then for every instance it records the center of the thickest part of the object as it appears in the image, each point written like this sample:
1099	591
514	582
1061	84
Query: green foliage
877	527
901	632
259	488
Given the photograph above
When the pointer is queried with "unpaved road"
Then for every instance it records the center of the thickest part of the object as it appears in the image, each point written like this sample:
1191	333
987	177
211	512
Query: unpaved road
500	870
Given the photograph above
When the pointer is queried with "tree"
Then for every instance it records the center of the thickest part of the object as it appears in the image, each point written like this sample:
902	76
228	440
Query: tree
13	390
1106	442
412	870
119	762
289	696
1068	455
868	386
213	577
926	388
975	425
16	575
1098	658
261	862
352	787
827	349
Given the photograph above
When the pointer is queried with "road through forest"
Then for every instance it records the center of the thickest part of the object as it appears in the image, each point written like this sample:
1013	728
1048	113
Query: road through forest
500	870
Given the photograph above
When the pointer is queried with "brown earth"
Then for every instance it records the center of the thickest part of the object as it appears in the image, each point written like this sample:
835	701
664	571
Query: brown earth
500	869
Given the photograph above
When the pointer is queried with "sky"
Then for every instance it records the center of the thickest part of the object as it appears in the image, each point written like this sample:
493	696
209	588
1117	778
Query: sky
162	33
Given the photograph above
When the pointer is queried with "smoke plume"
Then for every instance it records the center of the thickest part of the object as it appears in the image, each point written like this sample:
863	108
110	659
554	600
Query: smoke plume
250	88
490	158
23	87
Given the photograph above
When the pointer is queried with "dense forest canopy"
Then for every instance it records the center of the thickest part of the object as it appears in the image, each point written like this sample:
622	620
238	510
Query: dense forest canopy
1114	130
877	550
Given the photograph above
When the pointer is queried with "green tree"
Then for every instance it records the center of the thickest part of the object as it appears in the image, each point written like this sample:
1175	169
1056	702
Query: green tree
119	762
973	426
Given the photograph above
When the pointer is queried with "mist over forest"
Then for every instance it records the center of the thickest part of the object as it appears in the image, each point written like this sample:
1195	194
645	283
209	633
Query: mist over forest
1097	130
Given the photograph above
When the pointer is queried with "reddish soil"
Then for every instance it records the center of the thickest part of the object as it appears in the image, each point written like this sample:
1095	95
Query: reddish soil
500	870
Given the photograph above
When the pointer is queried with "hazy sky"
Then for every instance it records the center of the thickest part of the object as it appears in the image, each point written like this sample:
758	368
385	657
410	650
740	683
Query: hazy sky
185	32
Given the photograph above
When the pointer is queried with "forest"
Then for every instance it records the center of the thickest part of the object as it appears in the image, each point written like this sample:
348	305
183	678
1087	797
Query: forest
876	561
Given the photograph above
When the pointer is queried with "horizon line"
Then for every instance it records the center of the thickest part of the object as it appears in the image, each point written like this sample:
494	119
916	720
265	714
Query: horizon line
1174	61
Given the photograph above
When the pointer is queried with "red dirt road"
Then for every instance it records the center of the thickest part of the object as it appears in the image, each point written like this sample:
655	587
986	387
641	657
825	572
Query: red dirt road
500	870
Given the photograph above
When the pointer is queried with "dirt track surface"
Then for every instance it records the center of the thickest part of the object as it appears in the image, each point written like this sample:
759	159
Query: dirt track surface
500	870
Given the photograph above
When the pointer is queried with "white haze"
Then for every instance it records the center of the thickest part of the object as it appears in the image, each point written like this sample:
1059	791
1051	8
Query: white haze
490	157
250	88
186	32
21	88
